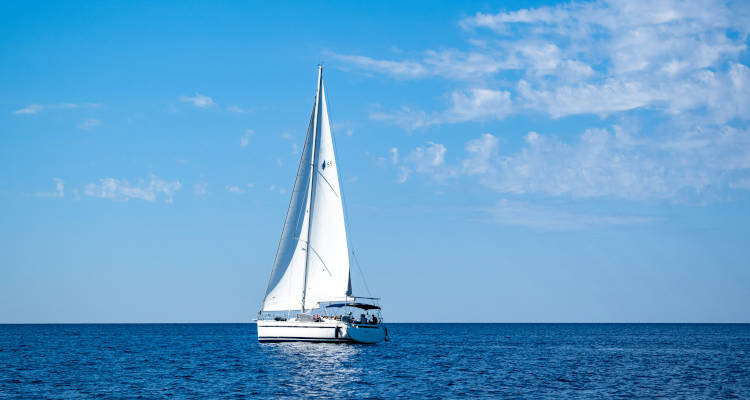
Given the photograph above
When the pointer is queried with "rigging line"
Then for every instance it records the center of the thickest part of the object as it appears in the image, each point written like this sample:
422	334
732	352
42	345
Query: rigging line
321	260
356	260
326	180
346	211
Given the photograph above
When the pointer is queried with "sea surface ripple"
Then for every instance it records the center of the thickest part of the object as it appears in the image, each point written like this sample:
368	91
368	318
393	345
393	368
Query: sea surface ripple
217	361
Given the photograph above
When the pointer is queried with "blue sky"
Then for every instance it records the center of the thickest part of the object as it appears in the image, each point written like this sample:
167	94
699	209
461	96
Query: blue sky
536	162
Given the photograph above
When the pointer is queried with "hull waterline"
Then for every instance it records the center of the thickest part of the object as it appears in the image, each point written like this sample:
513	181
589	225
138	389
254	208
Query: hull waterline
324	331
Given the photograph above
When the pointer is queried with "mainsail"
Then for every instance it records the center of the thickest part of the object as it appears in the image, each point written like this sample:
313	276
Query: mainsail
312	261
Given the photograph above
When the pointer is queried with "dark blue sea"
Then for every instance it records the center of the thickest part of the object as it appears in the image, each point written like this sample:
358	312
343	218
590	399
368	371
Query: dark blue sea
215	361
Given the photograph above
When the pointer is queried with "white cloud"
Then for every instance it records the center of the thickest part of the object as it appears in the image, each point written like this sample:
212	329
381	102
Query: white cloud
601	163
400	69
122	190
237	109
343	126
245	138
405	117
478	104
200	189
450	63
647	54
482	152
555	217
31	109
428	160
37	108
472	104
59	190
606	98
394	155
199	100
295	147
677	68
88	123
403	174
614	163
599	57
234	189
428	157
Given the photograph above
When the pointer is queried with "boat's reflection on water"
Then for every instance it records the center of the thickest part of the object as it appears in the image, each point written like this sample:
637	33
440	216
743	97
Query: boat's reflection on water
330	368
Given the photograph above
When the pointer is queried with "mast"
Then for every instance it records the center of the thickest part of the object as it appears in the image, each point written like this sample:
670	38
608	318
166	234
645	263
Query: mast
314	160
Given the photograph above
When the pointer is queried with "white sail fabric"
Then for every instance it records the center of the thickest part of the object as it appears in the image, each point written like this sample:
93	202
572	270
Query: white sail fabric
312	262
328	258
285	287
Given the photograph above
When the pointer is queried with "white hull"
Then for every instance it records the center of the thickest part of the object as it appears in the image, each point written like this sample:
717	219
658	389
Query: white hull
323	331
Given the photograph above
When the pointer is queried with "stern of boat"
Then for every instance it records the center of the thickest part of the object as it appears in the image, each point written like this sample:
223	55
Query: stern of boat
365	333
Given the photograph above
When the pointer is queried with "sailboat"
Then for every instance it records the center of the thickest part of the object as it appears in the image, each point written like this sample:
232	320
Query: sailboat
309	295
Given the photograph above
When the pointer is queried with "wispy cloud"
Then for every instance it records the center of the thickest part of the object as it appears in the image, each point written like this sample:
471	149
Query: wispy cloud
37	108
482	153
428	160
234	189
394	155
245	138
472	104
31	109
200	189
88	123
199	100
399	69
295	147
237	109
122	190
449	63
676	68
59	190
345	127
530	215
594	57
614	163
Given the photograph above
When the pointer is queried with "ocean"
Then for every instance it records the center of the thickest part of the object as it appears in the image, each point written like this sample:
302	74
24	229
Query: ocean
217	361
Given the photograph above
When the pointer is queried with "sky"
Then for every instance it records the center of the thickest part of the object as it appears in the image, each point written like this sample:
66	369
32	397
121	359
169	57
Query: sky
501	162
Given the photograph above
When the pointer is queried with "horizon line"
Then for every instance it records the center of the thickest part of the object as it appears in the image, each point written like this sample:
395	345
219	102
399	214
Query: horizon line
395	322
